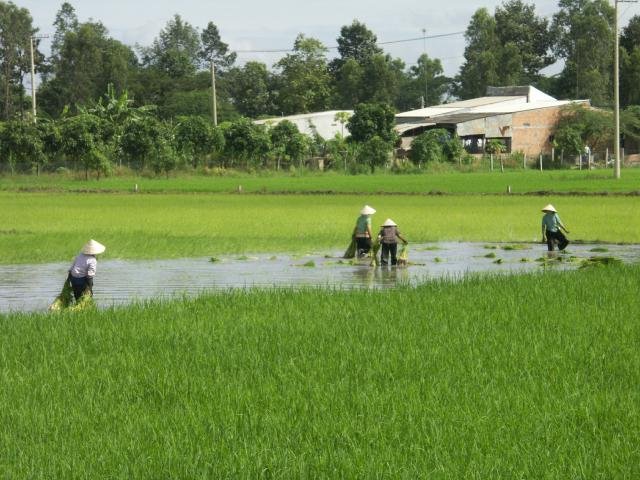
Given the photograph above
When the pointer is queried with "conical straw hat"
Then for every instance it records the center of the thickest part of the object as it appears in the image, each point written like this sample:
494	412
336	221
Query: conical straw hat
549	208
93	248
367	210
389	223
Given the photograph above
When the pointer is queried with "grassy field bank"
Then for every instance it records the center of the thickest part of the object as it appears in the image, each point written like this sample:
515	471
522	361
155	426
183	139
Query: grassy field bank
41	227
521	181
530	376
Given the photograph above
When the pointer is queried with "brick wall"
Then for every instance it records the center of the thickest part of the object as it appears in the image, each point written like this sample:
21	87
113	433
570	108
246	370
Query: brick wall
530	130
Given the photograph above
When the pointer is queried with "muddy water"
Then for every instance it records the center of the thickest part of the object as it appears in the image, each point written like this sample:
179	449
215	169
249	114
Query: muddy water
33	287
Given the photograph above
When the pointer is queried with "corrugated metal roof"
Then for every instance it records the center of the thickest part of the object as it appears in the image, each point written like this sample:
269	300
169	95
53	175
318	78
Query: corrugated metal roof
405	127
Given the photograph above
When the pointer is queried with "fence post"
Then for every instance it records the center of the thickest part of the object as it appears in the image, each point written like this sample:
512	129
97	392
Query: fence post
553	155
540	162
524	161
491	160
606	158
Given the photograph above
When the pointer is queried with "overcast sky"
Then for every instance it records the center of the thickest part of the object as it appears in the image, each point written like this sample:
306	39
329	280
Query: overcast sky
263	25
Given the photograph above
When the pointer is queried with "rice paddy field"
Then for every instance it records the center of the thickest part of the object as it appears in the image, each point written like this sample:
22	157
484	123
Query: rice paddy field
451	182
531	376
507	376
42	227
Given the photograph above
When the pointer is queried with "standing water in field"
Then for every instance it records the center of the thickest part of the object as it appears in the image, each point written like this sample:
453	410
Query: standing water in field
33	287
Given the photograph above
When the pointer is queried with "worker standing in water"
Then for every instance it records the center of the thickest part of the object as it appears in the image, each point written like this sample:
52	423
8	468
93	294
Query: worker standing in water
83	270
362	231
551	228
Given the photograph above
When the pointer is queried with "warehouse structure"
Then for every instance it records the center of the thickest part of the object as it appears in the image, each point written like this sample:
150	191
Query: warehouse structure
326	124
524	119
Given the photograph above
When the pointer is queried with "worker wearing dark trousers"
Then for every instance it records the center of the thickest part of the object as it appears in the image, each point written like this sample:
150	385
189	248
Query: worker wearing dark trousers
83	270
551	229
388	237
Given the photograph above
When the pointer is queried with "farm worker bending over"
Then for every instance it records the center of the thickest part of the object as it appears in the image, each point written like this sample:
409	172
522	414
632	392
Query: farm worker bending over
362	230
388	237
551	225
83	269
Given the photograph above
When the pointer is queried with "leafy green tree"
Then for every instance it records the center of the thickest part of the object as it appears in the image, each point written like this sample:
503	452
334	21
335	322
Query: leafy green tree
482	57
340	153
630	36
427	75
140	139
348	80
525	37
177	51
630	63
164	157
304	78
383	77
249	88
194	139
66	21
580	125
356	42
82	141
16	27
213	48
429	147
21	145
374	152
281	135
370	120
585	39
89	61
245	141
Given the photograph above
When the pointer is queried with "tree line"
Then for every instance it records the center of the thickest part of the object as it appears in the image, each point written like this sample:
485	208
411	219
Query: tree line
102	103
511	46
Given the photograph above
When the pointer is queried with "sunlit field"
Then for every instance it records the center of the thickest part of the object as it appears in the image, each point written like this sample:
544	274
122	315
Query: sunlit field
42	227
520	181
530	376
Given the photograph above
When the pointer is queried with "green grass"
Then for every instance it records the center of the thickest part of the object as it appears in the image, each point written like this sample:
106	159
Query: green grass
433	181
532	376
41	227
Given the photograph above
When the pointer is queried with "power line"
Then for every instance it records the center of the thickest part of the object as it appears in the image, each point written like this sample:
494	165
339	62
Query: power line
335	47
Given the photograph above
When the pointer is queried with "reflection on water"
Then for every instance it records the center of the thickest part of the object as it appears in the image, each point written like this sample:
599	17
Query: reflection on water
33	287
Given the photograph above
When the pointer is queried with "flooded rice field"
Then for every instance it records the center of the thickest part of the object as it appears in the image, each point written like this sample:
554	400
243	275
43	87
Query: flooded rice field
34	287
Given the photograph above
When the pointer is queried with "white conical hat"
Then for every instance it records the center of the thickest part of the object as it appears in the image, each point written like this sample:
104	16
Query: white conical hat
389	223
93	248
549	208
367	210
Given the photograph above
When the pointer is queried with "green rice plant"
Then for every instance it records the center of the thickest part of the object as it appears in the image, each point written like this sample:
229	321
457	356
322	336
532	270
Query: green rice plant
64	299
177	226
599	249
599	262
474	378
490	255
333	183
515	247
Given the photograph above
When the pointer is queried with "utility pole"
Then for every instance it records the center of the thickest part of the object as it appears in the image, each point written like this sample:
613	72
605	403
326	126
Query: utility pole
213	94
33	76
616	87
426	65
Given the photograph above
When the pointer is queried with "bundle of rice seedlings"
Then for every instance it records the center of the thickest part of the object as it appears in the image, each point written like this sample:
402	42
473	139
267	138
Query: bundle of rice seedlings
374	253
64	299
351	250
403	256
86	302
